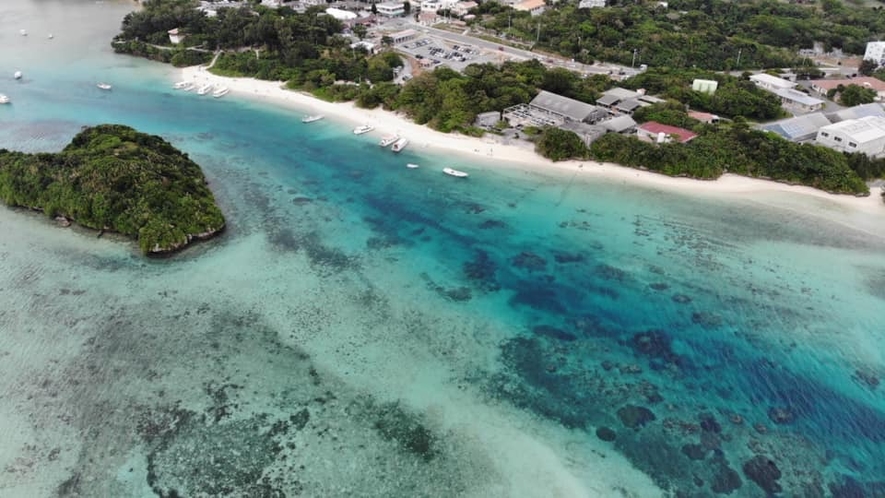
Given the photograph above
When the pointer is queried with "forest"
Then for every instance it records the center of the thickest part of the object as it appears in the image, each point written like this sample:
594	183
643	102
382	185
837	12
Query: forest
705	34
111	177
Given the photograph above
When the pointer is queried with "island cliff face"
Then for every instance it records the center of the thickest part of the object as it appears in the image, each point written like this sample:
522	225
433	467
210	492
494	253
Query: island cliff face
112	177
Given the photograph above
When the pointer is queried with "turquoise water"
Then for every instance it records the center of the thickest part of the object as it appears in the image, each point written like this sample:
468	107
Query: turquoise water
366	330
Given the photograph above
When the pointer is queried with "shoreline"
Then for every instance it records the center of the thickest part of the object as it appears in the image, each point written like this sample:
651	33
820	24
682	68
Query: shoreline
492	148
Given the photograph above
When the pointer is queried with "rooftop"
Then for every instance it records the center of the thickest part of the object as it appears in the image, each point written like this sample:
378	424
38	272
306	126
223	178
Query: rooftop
618	124
772	81
797	96
858	111
529	4
621	93
682	134
571	108
864	81
800	127
861	130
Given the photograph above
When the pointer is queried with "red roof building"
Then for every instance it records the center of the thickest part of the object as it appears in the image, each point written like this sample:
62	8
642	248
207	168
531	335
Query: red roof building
661	133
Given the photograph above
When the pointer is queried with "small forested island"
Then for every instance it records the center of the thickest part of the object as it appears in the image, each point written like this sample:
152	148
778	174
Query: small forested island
114	178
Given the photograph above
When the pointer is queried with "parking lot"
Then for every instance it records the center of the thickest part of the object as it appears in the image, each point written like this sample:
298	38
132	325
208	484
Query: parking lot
432	52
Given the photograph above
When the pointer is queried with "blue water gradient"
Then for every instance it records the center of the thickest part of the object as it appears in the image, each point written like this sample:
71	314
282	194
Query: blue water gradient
699	332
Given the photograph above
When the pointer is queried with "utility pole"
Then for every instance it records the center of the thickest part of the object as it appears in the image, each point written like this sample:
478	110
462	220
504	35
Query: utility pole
632	64
538	38
738	64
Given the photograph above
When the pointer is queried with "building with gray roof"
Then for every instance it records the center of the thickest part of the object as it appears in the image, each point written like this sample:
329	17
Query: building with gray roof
795	98
613	96
865	135
619	124
588	133
566	108
629	105
857	112
800	128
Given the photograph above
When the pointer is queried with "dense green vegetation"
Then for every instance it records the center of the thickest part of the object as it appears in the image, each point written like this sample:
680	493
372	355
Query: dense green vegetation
734	97
557	144
853	95
737	149
708	34
111	177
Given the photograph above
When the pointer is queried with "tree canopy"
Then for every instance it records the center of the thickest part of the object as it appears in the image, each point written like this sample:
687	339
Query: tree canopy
708	34
111	177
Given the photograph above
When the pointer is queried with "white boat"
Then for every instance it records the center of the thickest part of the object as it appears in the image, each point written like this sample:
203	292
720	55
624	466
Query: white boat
17	75
4	99
387	140
411	166
400	144
220	92
359	130
205	89
311	119
180	85
104	86
188	86
23	32
454	172
51	36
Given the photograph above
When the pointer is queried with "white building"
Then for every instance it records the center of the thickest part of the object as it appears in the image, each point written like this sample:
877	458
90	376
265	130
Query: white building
770	82
391	9
533	7
461	8
704	86
590	4
341	15
875	52
431	5
866	135
175	36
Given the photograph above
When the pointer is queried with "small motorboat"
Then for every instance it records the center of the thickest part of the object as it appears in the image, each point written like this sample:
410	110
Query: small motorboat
455	173
220	92
359	130
188	86
180	85
387	140
205	89
104	86
311	119
51	36
412	166
23	32
400	144
4	99
17	75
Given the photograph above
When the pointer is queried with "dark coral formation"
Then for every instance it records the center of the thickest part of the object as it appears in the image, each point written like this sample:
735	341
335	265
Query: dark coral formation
529	261
764	472
395	423
635	417
606	434
482	272
213	459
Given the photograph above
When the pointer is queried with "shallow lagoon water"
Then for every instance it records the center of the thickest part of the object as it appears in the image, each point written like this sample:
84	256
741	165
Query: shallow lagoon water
367	330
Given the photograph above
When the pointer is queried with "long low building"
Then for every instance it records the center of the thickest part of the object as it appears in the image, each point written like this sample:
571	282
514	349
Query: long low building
865	135
799	129
552	109
798	100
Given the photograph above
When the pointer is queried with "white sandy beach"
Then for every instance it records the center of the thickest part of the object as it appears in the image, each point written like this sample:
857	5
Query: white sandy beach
491	147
